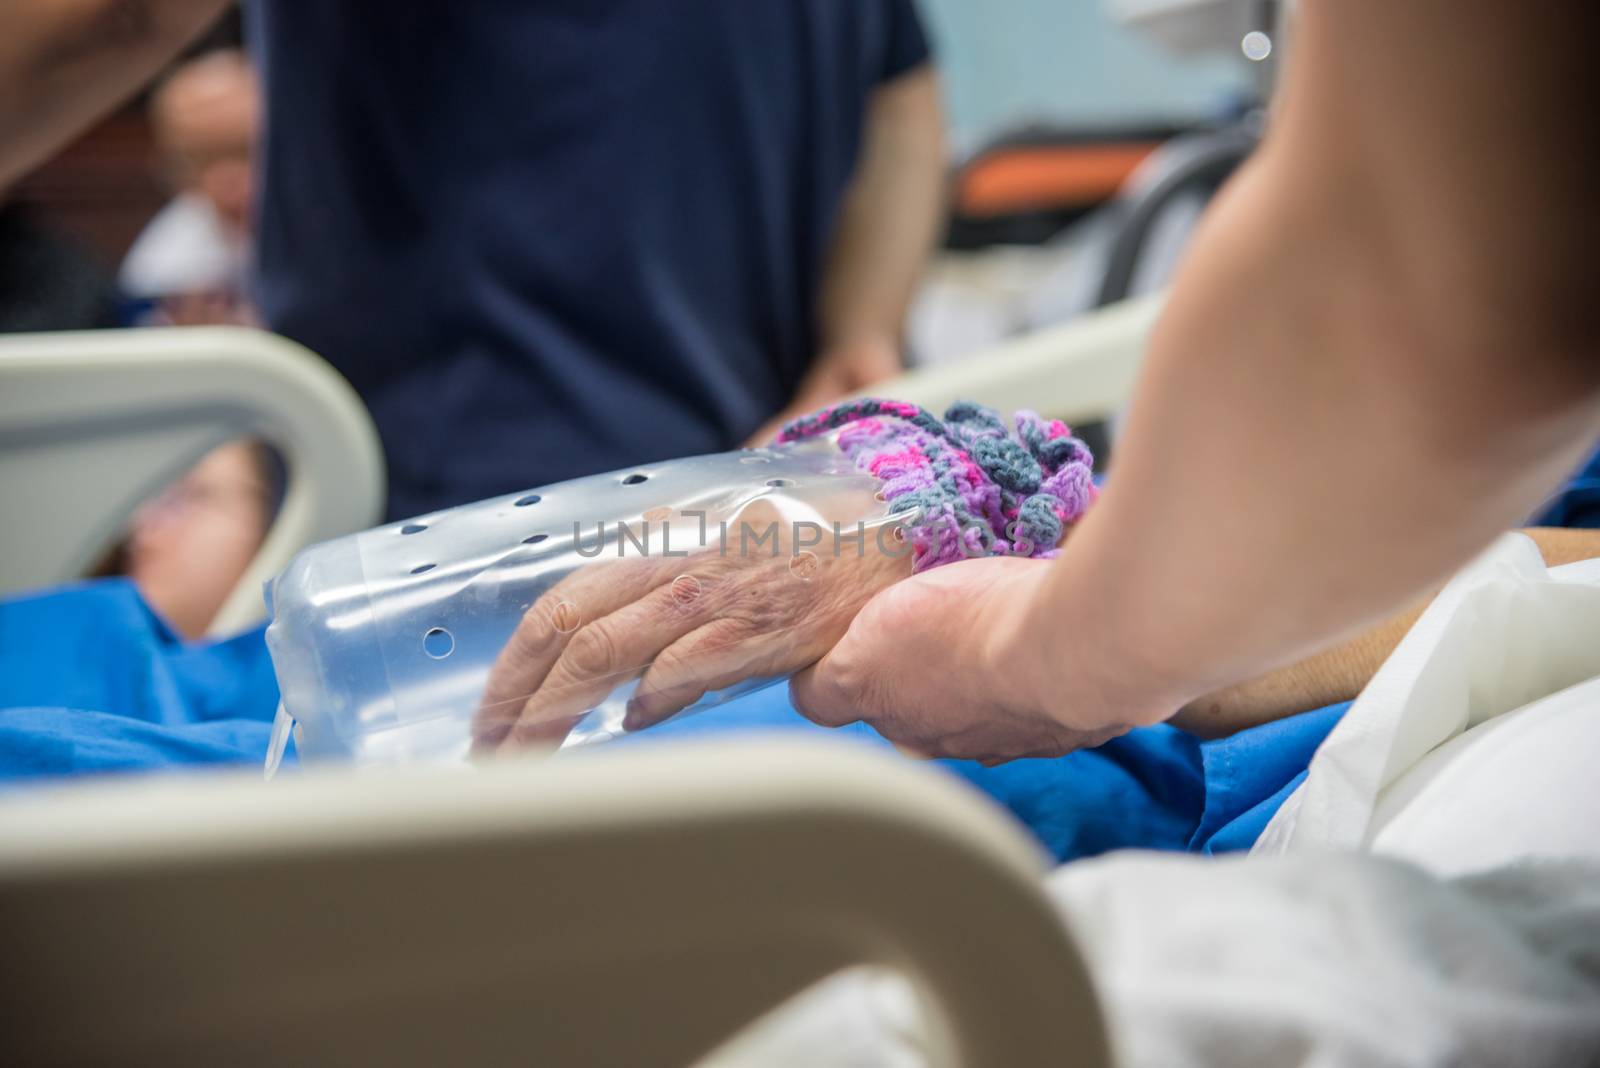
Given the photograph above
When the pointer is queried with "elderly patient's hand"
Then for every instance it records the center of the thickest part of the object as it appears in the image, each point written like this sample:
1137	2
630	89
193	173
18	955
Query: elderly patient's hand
682	626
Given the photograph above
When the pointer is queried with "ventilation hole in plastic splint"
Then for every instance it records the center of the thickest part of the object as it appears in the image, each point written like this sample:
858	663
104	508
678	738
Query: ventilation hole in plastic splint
635	479
779	483
438	643
804	565
423	569
535	539
685	590
413	528
566	617
532	498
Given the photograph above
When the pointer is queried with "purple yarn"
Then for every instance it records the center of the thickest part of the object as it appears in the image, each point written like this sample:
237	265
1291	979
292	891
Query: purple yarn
978	488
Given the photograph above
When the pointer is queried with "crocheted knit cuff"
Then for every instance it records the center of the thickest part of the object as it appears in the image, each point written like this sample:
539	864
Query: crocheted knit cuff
976	486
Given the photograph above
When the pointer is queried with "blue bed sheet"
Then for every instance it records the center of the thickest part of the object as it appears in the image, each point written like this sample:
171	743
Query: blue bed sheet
92	681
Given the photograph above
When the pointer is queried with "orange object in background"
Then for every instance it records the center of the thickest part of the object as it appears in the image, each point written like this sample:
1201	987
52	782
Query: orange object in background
1028	178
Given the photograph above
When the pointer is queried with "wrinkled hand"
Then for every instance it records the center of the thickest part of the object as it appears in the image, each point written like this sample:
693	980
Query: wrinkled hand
682	626
940	665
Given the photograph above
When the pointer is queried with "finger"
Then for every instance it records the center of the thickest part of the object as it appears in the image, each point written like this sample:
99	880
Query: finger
539	736
819	695
710	658
544	632
603	654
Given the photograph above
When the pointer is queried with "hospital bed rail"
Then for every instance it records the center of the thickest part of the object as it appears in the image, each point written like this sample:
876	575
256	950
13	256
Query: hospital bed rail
93	423
1081	371
625	907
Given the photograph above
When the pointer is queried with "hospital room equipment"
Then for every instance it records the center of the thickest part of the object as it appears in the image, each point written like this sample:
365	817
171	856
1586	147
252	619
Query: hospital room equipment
618	909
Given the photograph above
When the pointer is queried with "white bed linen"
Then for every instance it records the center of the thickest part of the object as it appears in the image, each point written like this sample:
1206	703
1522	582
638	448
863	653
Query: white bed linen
1472	751
1317	960
1477	741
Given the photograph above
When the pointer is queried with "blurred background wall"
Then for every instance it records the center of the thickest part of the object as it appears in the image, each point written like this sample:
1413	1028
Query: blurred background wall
1009	63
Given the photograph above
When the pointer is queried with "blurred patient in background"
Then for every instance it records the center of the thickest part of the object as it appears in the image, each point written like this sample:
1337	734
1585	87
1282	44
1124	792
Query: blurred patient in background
187	547
188	265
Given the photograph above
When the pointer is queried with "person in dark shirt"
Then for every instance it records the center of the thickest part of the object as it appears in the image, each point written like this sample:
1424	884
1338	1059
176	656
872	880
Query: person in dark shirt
547	239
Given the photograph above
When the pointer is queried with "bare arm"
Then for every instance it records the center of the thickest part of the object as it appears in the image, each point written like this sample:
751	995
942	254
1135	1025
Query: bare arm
1380	352
1340	673
65	62
886	227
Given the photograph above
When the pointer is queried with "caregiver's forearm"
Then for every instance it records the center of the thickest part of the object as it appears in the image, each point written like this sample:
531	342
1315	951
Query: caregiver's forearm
1340	673
887	226
65	62
1363	374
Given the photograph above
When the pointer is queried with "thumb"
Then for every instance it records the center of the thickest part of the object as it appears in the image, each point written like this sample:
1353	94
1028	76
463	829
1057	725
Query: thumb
817	694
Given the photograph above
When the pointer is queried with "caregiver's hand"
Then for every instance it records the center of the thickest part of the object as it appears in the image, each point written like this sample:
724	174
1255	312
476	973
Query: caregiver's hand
682	626
943	665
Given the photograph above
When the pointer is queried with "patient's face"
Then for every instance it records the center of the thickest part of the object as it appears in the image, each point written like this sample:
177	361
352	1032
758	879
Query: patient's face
188	546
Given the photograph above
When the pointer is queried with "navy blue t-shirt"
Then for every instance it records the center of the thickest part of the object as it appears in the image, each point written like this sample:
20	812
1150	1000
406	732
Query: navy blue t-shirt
547	238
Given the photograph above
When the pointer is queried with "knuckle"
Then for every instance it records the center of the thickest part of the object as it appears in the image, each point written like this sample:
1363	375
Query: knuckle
592	651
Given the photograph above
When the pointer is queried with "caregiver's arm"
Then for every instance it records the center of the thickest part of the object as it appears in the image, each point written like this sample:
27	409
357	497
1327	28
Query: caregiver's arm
1340	673
887	226
65	62
1381	350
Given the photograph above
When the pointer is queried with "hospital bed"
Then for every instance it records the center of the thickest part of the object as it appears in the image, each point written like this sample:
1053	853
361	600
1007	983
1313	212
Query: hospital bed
1081	371
620	908
625	906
